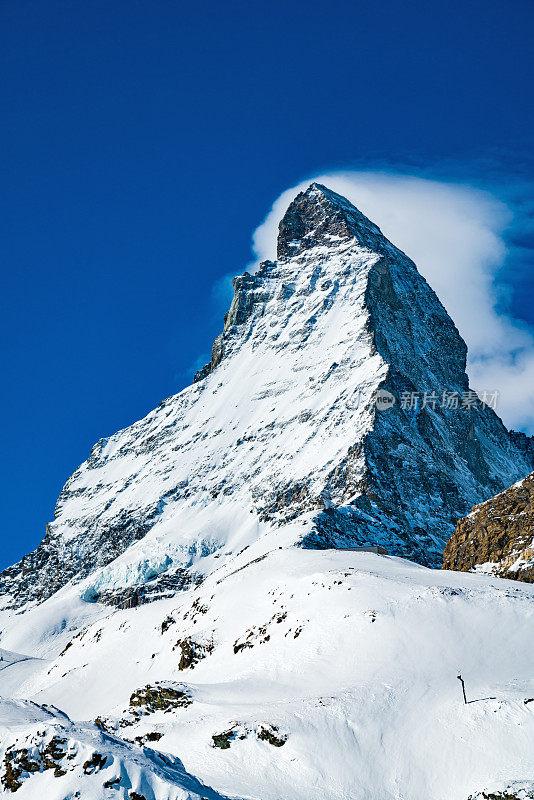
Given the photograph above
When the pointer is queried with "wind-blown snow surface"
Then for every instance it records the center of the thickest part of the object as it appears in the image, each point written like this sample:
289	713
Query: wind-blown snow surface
177	561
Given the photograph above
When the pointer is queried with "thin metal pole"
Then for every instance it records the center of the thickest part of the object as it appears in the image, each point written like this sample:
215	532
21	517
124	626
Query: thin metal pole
463	687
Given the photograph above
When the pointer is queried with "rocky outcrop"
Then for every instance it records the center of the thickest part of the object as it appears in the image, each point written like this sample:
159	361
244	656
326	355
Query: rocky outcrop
247	294
519	790
497	536
523	442
320	217
87	760
158	697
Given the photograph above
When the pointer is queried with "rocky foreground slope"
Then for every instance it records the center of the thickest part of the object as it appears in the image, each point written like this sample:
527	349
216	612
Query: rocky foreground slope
194	623
497	536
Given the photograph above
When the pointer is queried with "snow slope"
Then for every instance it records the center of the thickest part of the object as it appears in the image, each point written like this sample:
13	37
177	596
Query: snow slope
350	657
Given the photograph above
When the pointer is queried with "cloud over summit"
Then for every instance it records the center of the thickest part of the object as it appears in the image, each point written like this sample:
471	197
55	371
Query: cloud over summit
455	233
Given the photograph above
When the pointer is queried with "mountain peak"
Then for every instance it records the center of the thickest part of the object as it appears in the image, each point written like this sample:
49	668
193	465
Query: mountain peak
319	216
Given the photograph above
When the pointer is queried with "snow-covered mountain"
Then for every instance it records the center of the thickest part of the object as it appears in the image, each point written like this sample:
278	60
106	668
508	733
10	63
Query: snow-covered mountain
195	609
282	425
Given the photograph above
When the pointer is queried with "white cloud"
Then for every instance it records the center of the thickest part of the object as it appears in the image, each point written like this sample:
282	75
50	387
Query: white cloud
455	235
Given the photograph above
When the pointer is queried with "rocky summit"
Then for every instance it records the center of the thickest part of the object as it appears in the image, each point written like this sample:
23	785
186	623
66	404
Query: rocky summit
497	536
235	597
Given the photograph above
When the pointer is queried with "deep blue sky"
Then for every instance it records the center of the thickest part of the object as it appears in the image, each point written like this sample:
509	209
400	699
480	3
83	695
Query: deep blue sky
142	142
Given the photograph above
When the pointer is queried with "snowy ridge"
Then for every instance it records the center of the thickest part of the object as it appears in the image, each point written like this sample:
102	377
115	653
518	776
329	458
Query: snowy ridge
45	754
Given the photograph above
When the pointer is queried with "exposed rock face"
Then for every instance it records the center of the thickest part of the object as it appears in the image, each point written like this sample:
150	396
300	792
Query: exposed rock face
247	292
497	536
523	442
519	790
56	562
160	697
320	217
282	427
